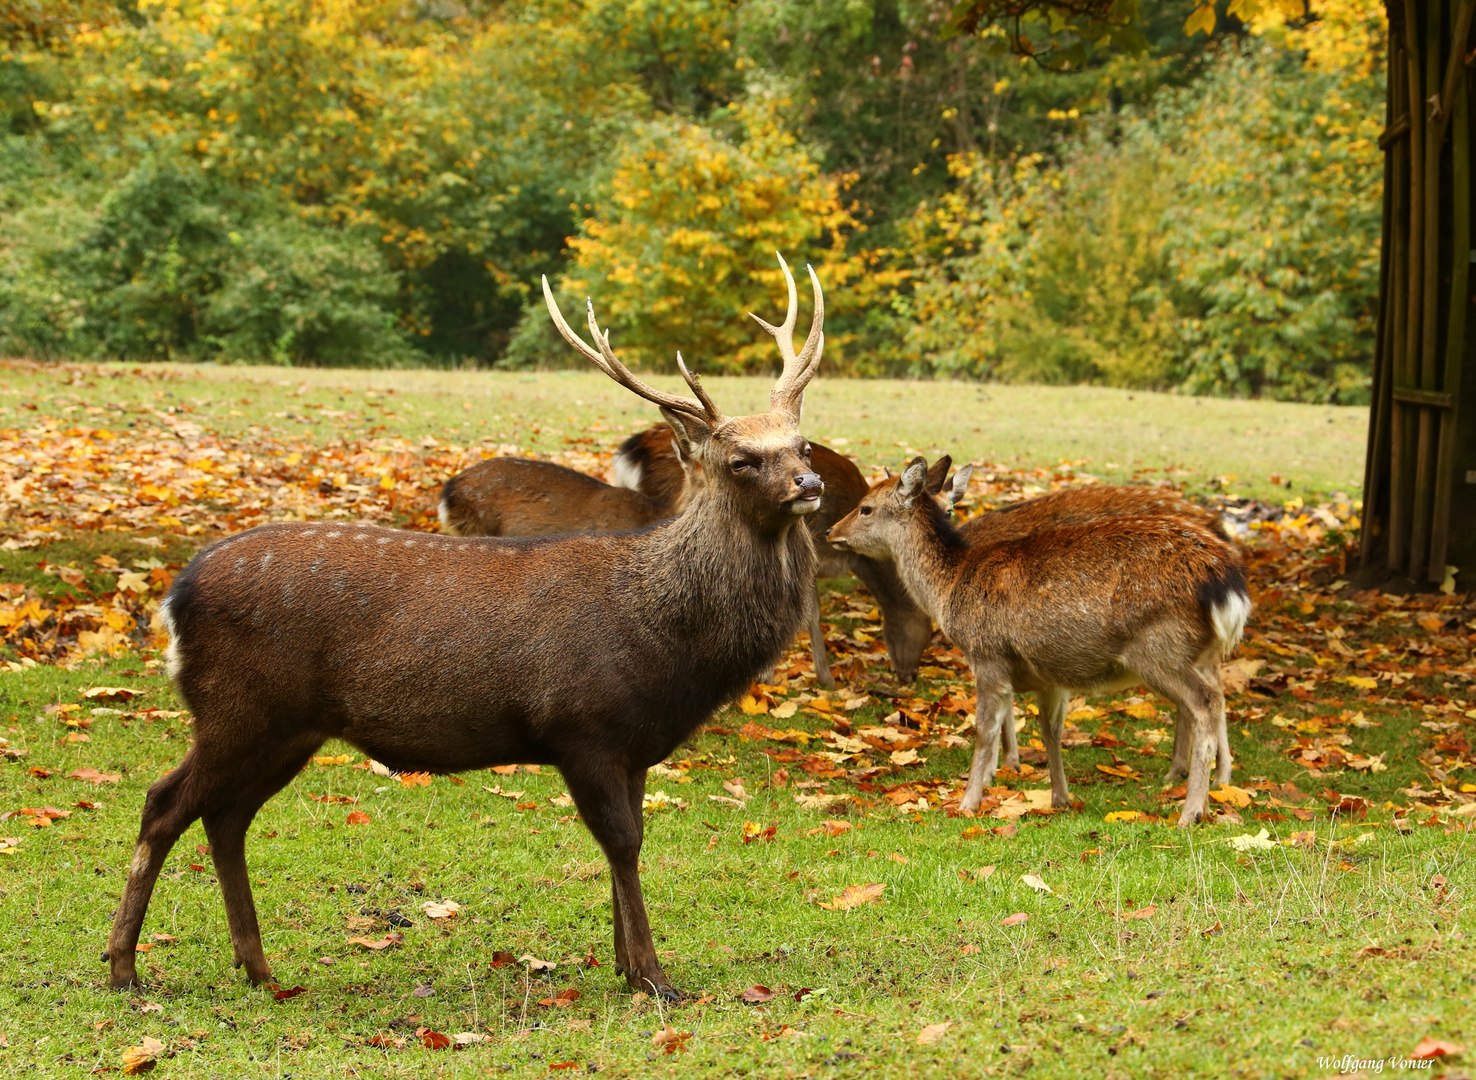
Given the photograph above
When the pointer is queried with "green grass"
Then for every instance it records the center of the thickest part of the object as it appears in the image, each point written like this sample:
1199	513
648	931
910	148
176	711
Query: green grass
1114	434
1252	964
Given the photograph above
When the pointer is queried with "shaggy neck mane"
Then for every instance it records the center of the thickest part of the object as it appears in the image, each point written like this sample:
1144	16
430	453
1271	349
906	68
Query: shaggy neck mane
724	593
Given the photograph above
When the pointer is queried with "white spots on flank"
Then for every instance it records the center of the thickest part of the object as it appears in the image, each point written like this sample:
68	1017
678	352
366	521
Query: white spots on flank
385	540
140	858
333	535
361	537
267	559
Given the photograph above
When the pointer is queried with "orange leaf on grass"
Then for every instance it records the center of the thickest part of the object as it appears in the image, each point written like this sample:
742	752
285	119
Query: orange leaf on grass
92	776
383	943
283	995
433	1040
757	994
1430	1048
1014	920
1142	913
358	817
415	779
140	1059
855	895
933	1032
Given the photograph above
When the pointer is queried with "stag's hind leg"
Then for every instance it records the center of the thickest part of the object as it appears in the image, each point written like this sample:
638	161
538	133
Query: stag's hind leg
172	804
225	827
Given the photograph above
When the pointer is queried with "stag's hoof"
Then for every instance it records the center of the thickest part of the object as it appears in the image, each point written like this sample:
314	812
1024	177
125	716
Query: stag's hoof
124	980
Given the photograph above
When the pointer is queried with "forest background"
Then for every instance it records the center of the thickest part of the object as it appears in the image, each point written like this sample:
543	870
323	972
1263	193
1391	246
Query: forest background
381	182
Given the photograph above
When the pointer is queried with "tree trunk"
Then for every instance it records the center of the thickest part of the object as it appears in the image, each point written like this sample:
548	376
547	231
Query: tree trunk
1419	492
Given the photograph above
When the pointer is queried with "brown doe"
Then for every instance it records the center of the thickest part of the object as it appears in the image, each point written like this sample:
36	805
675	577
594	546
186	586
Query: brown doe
1114	603
1083	506
649	463
595	654
521	497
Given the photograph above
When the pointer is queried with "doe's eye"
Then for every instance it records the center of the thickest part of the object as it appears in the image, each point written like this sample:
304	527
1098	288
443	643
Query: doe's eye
865	510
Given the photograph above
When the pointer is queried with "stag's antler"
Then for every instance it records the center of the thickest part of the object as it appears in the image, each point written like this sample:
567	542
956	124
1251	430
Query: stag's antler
789	391
604	358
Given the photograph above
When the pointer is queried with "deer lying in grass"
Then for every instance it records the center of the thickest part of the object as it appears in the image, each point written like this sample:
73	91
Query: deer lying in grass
522	497
649	463
1082	506
1085	607
595	654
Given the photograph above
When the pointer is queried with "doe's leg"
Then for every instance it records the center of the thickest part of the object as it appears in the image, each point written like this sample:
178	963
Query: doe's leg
1009	737
817	644
992	702
1197	700
1053	704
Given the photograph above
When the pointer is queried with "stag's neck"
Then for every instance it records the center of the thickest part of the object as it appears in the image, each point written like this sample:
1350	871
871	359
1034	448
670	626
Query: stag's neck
930	558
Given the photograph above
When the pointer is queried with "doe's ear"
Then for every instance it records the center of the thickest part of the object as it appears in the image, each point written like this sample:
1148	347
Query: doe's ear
914	479
960	486
688	434
937	473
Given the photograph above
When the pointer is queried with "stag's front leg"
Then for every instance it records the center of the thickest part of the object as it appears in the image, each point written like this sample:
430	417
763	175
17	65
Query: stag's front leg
609	799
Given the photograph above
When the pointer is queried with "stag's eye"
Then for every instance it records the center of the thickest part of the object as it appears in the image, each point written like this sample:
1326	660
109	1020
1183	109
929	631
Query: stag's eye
738	465
807	451
865	510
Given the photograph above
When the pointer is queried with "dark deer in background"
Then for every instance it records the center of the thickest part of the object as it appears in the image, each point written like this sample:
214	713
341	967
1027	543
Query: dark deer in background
649	463
1114	603
1083	506
595	654
521	497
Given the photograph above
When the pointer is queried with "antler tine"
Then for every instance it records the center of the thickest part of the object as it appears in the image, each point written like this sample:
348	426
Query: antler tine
605	359
695	383
784	335
788	391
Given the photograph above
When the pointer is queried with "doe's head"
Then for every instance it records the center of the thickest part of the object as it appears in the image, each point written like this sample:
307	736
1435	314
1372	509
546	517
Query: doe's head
758	464
878	525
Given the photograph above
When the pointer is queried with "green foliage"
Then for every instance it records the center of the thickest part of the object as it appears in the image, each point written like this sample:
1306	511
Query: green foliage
1223	242
339	181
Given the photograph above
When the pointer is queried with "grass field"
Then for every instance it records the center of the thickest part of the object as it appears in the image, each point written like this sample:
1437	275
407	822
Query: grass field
1151	951
1114	434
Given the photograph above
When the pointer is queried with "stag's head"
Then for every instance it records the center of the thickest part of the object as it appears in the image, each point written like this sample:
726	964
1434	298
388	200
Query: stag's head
761	464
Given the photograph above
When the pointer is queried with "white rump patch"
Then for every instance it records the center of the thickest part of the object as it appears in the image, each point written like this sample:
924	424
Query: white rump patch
1229	617
443	511
628	474
172	656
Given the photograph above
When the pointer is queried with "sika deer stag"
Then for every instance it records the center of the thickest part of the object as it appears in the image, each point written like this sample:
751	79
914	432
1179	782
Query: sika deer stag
1086	607
595	654
1083	506
649	463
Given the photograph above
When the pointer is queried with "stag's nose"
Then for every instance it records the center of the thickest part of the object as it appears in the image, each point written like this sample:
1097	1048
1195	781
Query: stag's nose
810	485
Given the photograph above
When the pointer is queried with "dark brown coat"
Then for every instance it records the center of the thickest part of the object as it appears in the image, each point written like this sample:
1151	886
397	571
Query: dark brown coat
594	654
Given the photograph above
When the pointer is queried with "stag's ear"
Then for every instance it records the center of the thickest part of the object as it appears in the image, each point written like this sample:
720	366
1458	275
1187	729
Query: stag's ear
960	486
937	473
689	434
914	479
